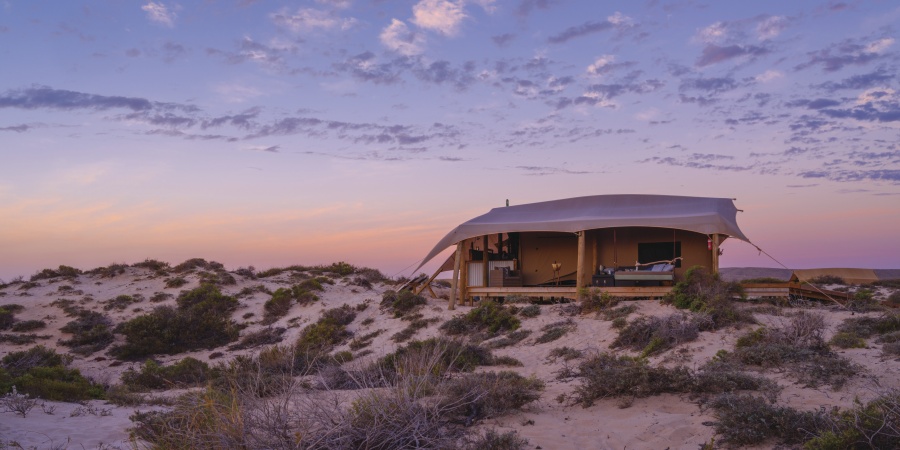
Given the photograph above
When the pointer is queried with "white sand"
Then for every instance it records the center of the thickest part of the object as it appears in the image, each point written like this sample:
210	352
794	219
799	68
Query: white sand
666	421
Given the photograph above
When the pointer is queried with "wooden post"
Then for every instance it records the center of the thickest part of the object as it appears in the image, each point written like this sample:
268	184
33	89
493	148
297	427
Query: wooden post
580	269
594	260
715	253
484	259
463	282
454	282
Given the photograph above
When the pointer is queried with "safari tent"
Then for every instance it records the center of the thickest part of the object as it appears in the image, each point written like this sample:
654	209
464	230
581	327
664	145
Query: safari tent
630	245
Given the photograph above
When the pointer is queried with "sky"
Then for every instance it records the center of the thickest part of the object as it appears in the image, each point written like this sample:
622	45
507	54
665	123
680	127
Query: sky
268	133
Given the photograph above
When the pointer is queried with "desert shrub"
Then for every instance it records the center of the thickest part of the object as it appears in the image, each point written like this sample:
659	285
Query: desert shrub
891	348
246	272
866	327
488	315
888	283
566	353
652	335
185	373
121	302
863	300
7	318
452	355
488	394
109	271
91	332
201	320
411	329
338	268
152	264
329	331
511	338
493	440
277	306
264	336
894	298
250	290
364	340
21	339
218	278
605	375
197	263
41	372
62	271
401	303
720	375
748	420
28	325
827	279
704	292
530	311
597	301
797	345
176	282
847	340
555	331
875	424
161	297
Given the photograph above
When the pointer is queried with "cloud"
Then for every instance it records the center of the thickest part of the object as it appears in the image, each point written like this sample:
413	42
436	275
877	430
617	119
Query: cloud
601	65
771	27
21	128
271	55
527	6
263	148
236	93
847	53
769	75
873	105
713	54
339	4
159	13
699	161
713	34
49	98
862	81
843	175
442	16
548	170
615	21
308	20
503	40
399	38
366	67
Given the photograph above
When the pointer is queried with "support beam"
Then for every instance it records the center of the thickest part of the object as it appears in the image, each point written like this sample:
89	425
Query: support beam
463	282
484	259
581	270
715	253
454	282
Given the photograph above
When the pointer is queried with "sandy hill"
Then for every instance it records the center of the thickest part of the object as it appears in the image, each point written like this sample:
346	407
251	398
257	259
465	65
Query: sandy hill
553	344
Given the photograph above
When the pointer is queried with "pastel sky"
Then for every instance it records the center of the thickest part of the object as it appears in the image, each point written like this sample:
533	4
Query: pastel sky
268	133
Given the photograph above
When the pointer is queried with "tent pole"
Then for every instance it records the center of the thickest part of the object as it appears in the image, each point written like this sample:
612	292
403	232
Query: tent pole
580	270
454	282
715	253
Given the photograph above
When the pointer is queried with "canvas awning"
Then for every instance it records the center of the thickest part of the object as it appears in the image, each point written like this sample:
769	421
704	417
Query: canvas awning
698	214
852	276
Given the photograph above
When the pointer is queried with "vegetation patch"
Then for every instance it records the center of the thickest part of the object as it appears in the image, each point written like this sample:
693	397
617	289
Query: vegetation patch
555	331
704	292
530	311
511	338
595	301
61	271
185	373
43	373
653	335
28	325
488	394
121	302
847	340
201	320
743	420
109	271
488	316
265	336
91	331
401	303
197	263
176	282
328	332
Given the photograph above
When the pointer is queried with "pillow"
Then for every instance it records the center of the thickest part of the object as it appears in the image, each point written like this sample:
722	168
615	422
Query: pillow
667	267
657	268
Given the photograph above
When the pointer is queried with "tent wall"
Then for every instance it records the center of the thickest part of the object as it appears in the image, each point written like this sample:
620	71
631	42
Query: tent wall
539	250
625	246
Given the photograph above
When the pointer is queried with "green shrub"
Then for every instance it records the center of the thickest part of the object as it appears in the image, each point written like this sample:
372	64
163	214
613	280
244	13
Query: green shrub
749	420
200	321
28	325
365	340
109	271
401	303
91	332
265	336
847	340
652	335
470	398
176	282
597	301
493	440
277	306
555	331
894	298
7	318
62	271
121	302
827	279
197	263
41	372
866	327
763	280
488	315
453	356
566	353
530	311
185	373
152	264
329	331
219	278
511	338
605	375
704	292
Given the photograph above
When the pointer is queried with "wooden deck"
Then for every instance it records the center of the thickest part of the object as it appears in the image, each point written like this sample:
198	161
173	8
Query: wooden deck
569	292
786	290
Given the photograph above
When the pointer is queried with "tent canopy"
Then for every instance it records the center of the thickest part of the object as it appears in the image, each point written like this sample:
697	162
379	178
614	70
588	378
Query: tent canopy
698	214
852	276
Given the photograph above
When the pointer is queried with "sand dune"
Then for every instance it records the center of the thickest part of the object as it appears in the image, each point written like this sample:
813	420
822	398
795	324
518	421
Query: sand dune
664	421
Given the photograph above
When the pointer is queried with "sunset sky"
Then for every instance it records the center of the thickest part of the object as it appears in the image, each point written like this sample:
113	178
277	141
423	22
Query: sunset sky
268	133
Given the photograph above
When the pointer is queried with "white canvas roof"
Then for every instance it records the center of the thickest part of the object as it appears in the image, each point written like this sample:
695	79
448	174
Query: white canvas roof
698	214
